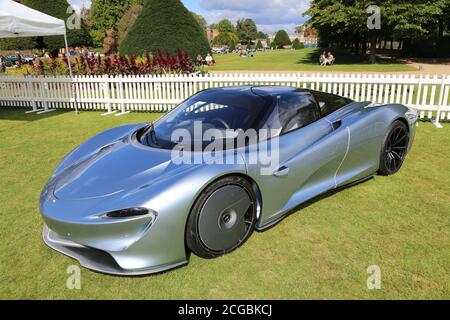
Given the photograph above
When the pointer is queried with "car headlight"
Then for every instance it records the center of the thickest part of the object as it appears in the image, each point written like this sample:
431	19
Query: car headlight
130	213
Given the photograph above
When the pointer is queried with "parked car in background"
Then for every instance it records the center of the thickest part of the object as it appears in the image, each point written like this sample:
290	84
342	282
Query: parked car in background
27	59
10	61
13	59
223	50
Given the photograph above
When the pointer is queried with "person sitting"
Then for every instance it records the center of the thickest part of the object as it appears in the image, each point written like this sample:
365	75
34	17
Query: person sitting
323	58
199	60
209	60
330	59
327	59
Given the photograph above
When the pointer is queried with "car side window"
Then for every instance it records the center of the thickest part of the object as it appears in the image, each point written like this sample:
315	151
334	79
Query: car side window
292	111
330	103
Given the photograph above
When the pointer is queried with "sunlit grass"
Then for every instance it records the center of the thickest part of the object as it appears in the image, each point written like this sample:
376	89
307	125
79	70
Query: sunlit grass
400	223
302	60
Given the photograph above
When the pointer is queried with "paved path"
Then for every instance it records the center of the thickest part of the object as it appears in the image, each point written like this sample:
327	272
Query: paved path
431	67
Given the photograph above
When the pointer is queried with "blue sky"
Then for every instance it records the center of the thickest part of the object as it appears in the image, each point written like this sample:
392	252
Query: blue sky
270	15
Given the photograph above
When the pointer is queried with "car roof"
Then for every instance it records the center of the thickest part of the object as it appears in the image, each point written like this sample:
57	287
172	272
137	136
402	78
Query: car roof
260	90
276	90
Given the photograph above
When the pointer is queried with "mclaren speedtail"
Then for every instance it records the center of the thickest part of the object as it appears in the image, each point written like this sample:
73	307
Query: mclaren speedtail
138	199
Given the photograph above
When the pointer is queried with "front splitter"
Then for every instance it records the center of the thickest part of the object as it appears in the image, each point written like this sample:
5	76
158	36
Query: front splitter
97	260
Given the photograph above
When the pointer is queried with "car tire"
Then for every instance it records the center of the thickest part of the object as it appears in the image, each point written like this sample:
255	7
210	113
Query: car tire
222	219
394	150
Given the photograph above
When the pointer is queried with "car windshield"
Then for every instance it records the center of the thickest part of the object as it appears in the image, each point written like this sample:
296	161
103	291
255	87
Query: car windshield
223	109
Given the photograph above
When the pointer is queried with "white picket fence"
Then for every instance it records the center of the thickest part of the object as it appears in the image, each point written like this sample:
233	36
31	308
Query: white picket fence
122	94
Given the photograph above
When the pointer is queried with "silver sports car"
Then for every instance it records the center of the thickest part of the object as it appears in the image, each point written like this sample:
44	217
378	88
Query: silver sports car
138	199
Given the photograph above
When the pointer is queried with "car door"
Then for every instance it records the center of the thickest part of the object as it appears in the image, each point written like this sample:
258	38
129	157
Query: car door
309	153
364	136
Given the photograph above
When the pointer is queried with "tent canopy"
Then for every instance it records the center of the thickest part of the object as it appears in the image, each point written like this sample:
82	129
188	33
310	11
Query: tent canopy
17	20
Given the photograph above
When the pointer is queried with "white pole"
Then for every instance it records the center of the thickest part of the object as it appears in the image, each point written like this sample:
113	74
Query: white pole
70	72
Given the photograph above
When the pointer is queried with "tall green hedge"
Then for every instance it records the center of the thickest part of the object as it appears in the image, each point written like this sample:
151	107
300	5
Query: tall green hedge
259	45
282	39
296	44
167	25
57	9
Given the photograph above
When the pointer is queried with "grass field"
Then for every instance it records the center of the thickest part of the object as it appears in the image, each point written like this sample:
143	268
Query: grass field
400	223
303	60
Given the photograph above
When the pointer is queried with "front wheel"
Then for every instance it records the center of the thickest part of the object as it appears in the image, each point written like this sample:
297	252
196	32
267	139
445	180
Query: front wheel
394	149
222	218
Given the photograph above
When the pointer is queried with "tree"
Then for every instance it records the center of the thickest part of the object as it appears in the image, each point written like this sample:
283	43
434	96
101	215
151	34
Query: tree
296	44
282	39
18	43
165	25
299	29
106	14
58	9
310	32
261	35
85	14
110	42
79	38
225	39
225	26
259	45
128	20
246	30
227	33
232	47
344	22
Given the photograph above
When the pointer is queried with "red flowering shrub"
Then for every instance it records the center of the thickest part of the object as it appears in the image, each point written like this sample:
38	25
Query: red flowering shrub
119	65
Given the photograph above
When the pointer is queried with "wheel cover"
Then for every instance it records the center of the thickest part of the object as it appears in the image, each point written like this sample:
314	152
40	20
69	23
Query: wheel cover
396	149
226	218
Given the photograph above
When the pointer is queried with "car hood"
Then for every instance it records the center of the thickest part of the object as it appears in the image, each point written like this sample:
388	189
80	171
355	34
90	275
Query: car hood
116	168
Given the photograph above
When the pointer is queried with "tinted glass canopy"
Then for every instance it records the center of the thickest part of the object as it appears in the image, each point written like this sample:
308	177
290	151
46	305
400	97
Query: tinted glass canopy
277	109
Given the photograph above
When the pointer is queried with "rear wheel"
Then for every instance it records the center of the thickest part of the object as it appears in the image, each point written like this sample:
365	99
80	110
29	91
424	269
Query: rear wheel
222	219
394	149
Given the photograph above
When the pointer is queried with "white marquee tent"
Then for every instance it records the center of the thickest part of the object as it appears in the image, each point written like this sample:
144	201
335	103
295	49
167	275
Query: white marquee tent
17	20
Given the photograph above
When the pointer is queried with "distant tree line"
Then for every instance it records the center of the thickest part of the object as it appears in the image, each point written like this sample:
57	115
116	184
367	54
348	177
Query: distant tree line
245	32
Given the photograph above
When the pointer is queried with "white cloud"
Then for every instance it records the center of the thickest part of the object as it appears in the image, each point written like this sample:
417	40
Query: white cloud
269	15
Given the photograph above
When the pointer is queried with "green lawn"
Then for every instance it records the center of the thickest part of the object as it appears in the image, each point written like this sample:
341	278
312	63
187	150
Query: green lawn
302	60
400	223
